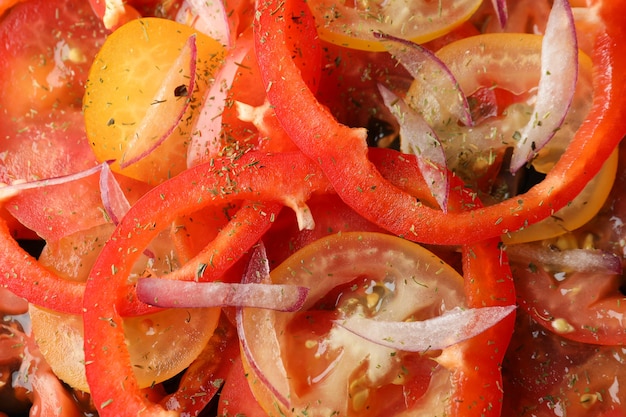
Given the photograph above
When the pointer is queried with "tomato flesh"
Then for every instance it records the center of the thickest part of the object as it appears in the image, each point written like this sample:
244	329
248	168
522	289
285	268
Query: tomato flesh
47	49
583	306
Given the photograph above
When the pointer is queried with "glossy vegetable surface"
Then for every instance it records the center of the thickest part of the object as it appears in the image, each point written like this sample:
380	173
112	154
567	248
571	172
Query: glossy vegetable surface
292	208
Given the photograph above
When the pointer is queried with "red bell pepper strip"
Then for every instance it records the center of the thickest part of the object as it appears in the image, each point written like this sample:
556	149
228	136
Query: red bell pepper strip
27	278
236	398
287	178
488	282
52	291
341	151
220	254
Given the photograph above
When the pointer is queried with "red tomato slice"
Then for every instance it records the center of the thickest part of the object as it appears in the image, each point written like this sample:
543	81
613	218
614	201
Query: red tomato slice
44	150
547	375
173	338
324	369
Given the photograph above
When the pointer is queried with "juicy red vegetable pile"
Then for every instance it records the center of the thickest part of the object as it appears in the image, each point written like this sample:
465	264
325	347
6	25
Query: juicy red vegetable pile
324	170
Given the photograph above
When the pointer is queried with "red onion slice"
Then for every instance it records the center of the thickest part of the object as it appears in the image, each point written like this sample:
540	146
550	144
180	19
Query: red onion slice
209	17
439	332
418	138
579	260
501	10
440	93
205	142
11	190
559	73
254	291
191	294
258	271
115	203
113	198
168	106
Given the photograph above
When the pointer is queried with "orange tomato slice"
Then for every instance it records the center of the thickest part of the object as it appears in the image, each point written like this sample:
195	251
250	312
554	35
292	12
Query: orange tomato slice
125	83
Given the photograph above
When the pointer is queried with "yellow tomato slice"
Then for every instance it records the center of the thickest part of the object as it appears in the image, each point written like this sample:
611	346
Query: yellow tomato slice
353	23
580	211
160	345
125	85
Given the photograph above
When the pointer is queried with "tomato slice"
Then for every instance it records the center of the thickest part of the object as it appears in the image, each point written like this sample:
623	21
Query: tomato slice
354	23
56	210
547	375
161	344
512	62
302	361
46	48
125	83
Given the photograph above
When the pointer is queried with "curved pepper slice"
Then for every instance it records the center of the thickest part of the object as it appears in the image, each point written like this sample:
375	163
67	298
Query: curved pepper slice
220	254
59	294
47	289
488	282
341	151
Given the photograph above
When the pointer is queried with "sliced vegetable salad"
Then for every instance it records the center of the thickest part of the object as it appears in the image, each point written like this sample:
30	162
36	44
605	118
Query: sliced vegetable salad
293	208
